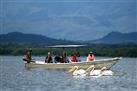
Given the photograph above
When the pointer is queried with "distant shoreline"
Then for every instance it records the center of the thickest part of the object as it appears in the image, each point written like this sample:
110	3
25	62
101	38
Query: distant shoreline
127	50
100	52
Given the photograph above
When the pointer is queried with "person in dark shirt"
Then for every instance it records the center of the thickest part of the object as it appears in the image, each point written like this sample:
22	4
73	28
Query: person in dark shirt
27	57
78	57
65	58
58	59
48	58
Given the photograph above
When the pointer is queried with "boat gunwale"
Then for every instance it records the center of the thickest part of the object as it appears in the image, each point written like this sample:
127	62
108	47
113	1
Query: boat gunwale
84	64
95	61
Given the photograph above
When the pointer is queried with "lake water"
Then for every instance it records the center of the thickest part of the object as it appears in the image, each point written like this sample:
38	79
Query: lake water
15	77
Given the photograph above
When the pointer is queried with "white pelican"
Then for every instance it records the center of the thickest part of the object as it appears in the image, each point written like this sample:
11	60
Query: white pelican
94	72
106	72
90	71
80	72
101	72
77	72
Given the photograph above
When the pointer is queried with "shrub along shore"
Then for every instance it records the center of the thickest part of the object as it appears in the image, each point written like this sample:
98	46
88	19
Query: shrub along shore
127	50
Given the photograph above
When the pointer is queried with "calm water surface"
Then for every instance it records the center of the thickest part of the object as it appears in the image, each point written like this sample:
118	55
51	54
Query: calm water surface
15	77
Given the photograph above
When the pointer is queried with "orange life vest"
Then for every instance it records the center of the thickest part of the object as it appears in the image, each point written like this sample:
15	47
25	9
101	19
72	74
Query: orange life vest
90	58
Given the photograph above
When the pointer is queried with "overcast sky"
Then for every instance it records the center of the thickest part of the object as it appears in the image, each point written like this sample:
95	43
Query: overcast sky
68	19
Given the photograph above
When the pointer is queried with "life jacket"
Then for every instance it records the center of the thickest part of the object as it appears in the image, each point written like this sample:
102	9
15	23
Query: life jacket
90	58
73	59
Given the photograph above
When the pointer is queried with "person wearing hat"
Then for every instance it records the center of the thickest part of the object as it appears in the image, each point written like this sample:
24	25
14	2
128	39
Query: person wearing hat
27	57
90	57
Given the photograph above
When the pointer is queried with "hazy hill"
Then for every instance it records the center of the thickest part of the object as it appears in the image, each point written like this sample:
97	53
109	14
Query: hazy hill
117	38
18	37
111	38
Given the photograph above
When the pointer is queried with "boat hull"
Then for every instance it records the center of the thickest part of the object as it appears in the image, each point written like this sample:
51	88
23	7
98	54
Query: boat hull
97	63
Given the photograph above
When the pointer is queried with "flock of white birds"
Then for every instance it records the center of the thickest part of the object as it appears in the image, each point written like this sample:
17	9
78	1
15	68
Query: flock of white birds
91	71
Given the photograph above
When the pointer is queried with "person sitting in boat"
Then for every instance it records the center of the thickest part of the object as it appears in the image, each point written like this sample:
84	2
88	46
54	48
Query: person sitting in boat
58	59
73	58
90	57
78	57
65	58
48	59
27	57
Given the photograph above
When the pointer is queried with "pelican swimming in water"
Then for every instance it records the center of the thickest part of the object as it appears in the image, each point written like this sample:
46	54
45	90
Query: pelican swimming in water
101	72
77	72
80	72
94	72
106	72
90	71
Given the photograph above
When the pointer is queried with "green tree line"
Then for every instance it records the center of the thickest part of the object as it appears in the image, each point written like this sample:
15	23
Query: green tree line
98	51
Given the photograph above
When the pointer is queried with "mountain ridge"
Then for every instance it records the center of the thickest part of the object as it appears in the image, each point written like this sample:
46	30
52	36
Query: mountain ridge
117	38
110	38
19	37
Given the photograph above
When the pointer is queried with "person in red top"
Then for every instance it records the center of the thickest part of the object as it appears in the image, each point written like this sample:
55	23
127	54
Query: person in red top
73	58
90	57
